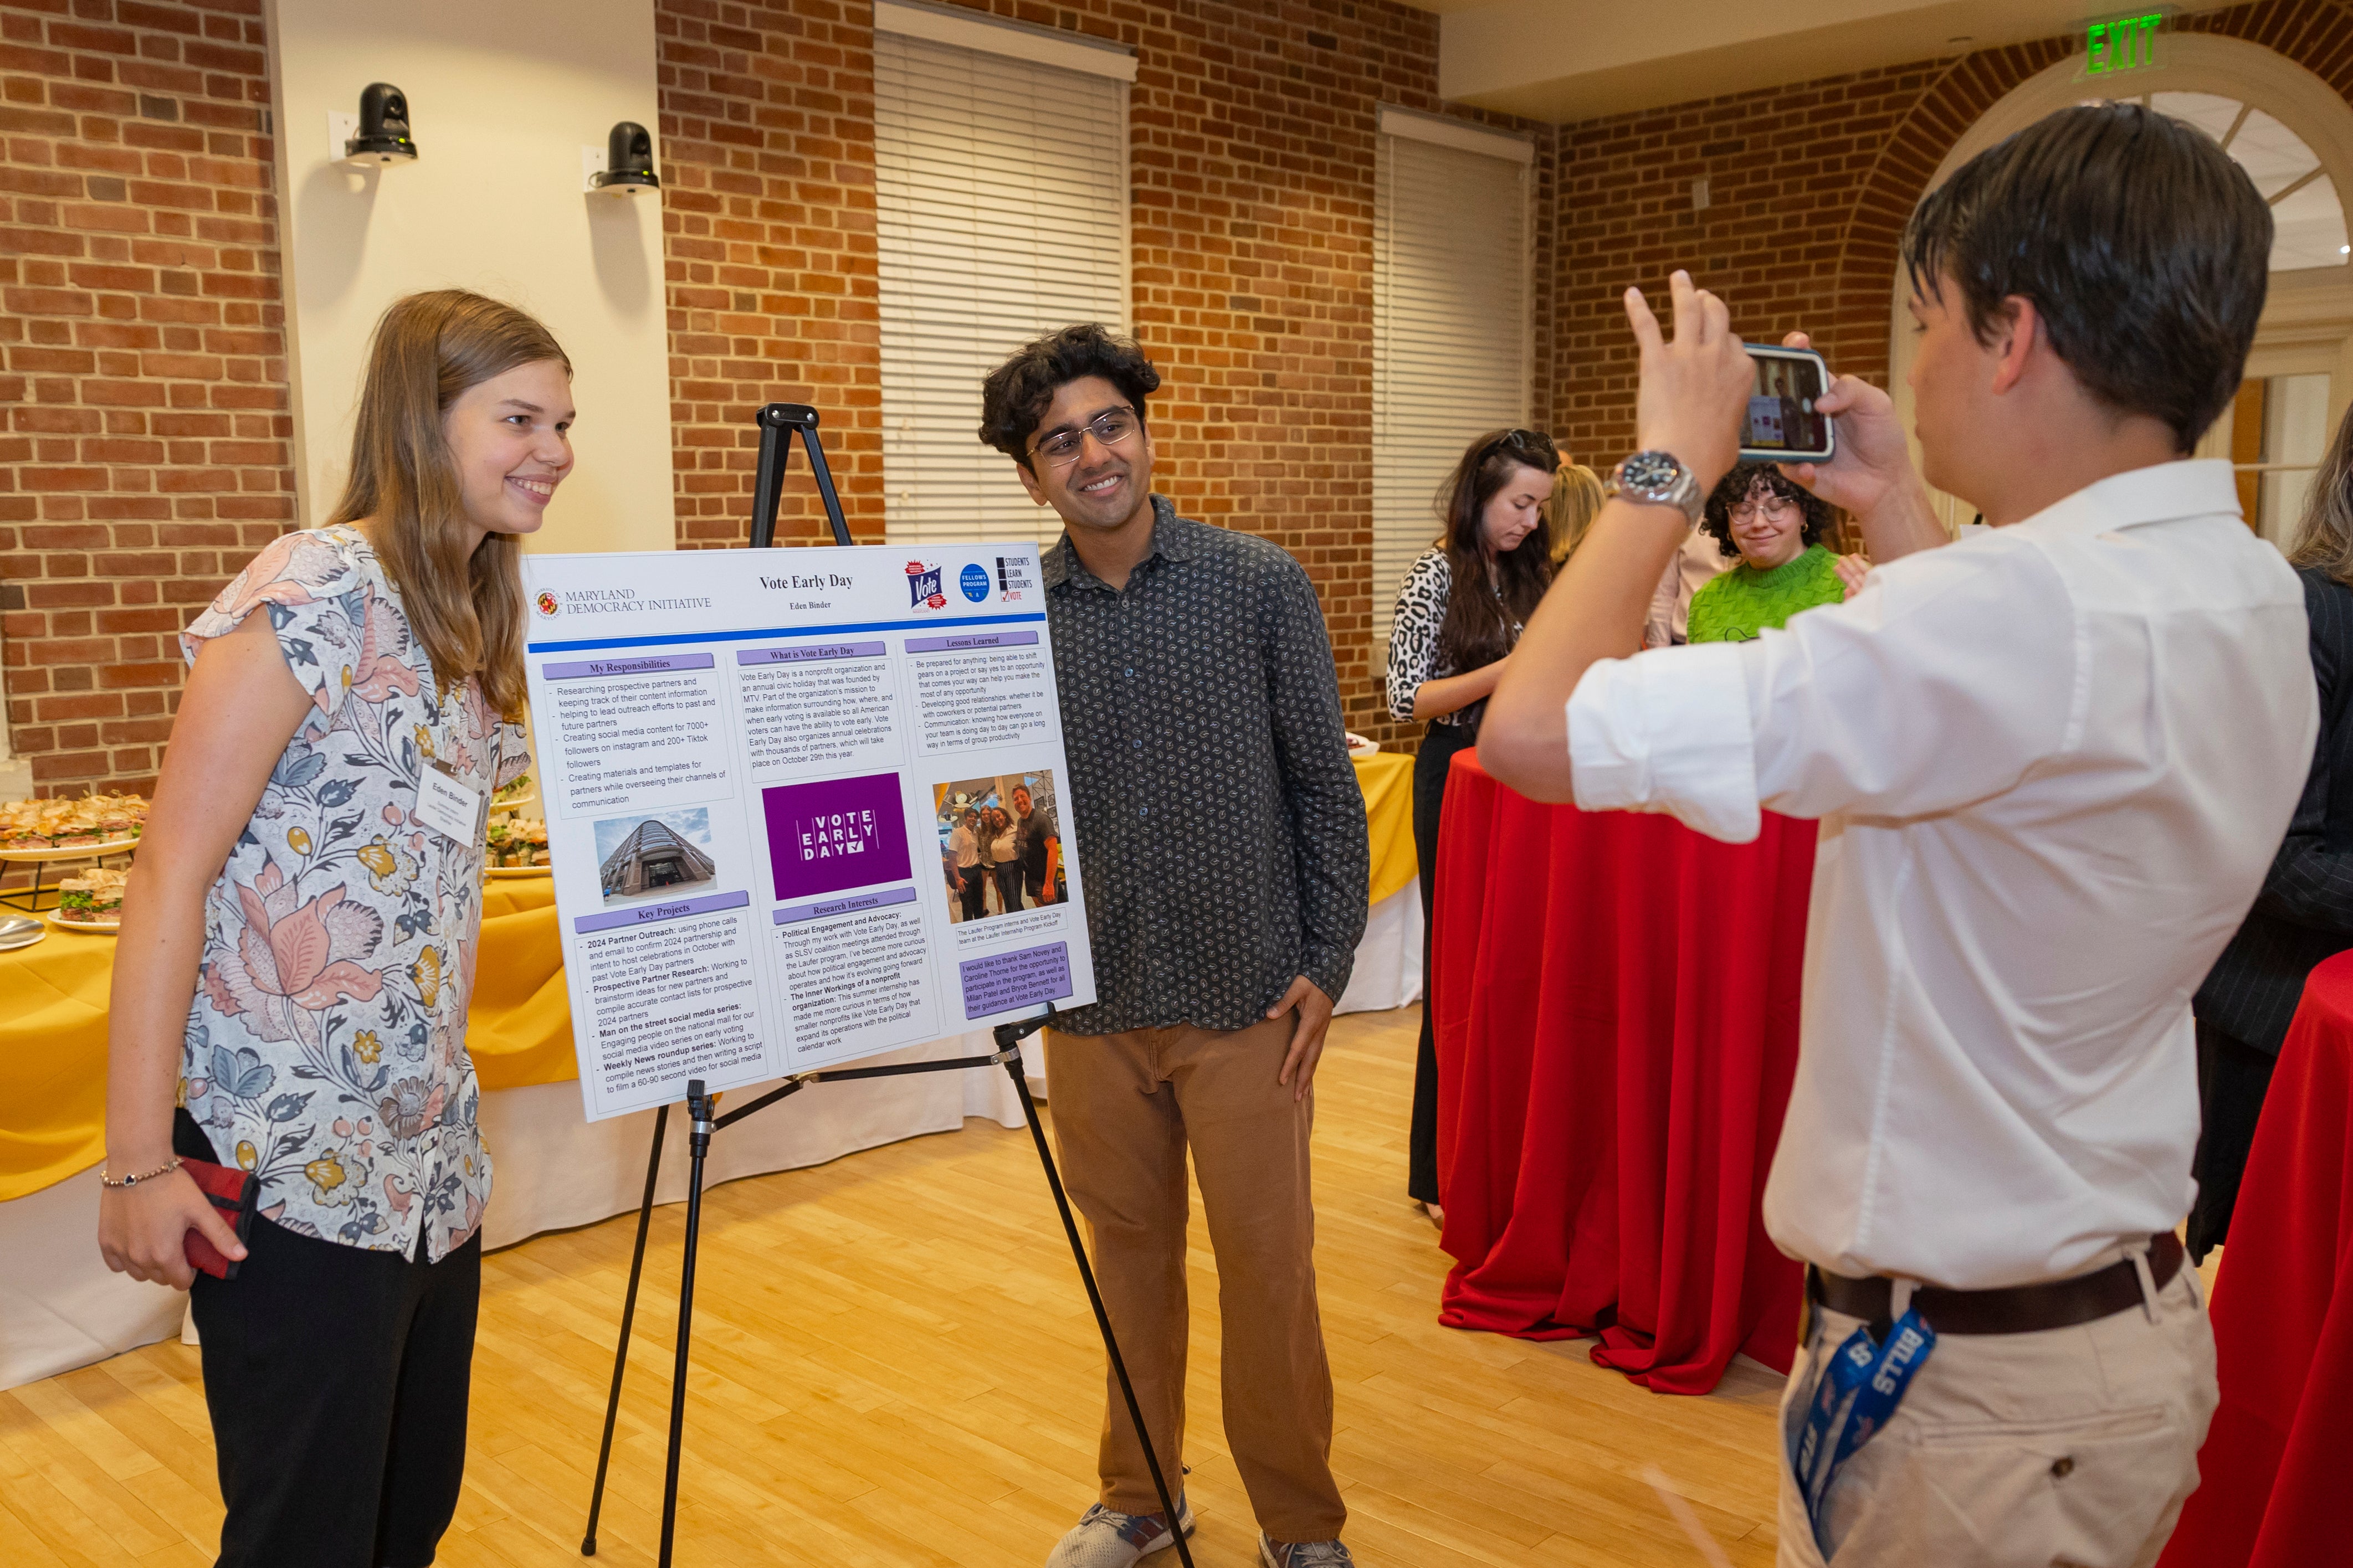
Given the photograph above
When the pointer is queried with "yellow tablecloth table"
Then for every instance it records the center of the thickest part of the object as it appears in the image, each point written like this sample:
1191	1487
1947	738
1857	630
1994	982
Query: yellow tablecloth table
1387	779
53	998
53	1003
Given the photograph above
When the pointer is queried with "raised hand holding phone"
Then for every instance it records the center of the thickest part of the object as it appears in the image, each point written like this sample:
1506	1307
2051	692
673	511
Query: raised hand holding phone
1694	389
1869	473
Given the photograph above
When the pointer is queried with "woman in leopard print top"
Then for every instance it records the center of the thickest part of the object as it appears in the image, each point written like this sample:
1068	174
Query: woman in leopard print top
1457	614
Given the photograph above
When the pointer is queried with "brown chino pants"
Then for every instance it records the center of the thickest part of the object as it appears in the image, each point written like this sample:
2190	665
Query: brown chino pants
1125	1107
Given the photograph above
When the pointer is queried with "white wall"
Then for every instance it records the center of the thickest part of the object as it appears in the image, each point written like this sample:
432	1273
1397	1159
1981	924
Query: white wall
502	95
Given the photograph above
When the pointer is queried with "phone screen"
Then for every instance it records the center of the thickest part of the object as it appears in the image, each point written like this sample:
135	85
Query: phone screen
1782	416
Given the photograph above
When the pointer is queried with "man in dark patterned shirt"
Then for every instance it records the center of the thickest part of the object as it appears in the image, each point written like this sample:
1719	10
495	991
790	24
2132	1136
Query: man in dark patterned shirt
1197	696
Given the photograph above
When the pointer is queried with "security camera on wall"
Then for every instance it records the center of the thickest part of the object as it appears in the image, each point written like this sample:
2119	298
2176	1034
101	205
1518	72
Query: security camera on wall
627	165
381	135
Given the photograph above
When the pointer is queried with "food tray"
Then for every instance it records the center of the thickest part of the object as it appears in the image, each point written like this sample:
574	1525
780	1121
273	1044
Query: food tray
68	852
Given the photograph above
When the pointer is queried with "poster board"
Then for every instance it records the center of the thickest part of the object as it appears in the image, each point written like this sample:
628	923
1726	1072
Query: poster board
752	763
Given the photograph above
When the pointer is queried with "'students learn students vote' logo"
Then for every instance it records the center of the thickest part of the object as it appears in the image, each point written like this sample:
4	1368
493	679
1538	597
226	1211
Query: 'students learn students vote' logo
836	833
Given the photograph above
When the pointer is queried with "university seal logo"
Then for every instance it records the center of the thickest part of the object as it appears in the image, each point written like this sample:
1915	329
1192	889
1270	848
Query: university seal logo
546	603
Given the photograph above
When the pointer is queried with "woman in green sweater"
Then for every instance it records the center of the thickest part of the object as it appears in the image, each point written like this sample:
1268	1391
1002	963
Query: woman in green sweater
1775	528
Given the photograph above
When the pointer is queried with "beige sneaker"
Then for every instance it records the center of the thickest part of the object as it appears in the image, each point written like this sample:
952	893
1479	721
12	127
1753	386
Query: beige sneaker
1104	1538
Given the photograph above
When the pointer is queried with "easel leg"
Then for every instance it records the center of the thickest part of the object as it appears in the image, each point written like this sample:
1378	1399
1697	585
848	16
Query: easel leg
1095	1299
698	1144
628	1314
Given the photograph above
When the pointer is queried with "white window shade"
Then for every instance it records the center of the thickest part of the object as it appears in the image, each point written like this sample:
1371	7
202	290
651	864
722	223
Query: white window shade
1450	332
1001	213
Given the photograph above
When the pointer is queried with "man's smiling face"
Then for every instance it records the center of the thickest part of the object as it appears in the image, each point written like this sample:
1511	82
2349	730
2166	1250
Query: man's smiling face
1107	486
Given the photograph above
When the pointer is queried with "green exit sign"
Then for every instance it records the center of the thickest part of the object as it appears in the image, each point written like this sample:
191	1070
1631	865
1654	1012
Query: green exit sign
2123	44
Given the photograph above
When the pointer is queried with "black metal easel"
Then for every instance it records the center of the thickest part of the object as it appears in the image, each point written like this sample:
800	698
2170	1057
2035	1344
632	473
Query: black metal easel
778	421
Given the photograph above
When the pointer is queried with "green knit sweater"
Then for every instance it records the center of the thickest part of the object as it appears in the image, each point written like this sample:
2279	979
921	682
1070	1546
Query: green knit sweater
1738	605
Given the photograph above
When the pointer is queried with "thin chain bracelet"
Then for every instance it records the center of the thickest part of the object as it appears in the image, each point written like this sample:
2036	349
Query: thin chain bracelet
106	1181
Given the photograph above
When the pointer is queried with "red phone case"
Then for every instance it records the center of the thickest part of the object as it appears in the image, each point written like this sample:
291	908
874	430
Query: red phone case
234	1193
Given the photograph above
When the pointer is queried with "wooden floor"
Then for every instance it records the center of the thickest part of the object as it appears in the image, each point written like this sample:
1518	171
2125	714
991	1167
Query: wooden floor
894	1365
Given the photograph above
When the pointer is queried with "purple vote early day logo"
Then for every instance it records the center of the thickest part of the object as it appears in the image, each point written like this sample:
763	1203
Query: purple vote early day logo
836	833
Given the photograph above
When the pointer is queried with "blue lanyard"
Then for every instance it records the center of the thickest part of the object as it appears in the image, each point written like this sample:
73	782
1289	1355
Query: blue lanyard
1859	1390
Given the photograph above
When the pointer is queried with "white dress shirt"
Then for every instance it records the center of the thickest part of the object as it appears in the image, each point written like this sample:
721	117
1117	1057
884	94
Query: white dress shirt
2051	764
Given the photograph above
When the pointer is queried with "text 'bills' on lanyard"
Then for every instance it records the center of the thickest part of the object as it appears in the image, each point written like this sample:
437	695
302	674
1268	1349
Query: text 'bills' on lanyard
1856	1394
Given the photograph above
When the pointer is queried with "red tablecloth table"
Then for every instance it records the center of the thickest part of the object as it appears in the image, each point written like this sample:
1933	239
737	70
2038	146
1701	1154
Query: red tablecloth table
1617	1029
2284	1315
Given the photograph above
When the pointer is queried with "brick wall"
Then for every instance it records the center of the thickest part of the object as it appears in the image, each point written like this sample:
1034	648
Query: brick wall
141	359
767	144
141	354
1810	186
1252	171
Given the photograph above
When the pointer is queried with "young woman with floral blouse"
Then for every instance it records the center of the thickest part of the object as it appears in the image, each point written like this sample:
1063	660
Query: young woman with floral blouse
290	993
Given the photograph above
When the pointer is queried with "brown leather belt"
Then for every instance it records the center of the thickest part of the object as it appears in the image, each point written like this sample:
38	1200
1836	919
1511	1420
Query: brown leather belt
2017	1309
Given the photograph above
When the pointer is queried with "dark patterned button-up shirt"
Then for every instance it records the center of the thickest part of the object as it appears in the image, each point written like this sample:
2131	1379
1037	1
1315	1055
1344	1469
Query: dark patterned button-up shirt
1220	828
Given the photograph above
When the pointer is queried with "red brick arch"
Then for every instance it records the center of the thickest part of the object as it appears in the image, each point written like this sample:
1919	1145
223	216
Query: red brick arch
1811	184
2316	33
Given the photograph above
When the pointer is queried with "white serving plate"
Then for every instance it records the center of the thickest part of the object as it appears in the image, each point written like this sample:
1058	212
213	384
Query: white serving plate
68	852
94	928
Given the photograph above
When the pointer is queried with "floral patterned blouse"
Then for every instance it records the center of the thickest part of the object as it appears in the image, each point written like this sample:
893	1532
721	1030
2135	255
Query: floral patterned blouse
326	1046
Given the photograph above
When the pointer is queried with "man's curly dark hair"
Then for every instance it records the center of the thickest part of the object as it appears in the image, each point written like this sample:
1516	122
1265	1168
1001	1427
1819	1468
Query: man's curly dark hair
1733	489
1018	393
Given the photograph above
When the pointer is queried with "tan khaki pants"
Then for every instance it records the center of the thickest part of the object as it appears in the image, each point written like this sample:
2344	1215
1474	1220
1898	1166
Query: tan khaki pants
2068	1448
1125	1107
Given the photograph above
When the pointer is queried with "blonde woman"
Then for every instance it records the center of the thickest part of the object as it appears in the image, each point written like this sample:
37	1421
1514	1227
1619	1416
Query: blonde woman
291	995
1576	497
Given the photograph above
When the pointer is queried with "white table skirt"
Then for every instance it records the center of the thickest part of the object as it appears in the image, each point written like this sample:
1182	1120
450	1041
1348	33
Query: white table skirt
60	1308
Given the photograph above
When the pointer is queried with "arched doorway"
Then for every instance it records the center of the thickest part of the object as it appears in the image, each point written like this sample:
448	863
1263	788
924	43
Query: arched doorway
2293	134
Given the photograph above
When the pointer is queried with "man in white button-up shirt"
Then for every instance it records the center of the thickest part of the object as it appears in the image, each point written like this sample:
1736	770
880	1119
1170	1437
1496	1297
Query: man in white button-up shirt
2051	764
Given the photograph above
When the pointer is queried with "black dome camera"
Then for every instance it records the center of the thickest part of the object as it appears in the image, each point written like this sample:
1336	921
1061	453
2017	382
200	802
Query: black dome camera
629	162
384	126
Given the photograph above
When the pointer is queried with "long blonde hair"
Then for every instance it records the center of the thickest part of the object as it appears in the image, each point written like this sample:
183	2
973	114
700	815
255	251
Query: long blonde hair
2324	537
1576	497
466	610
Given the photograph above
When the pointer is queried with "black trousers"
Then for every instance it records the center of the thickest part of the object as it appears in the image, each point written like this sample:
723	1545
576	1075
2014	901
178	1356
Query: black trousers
973	889
2233	1077
1439	744
337	1380
1009	886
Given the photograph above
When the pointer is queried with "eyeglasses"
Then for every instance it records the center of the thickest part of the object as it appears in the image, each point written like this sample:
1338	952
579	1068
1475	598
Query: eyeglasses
1775	508
1111	427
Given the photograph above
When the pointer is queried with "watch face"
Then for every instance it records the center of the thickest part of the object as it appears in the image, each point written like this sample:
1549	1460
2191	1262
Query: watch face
1651	472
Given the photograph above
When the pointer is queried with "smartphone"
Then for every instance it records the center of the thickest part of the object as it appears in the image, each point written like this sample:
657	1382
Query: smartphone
1784	423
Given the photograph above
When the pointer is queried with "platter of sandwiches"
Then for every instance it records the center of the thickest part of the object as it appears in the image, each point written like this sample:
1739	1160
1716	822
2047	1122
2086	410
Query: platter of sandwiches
516	847
91	902
71	829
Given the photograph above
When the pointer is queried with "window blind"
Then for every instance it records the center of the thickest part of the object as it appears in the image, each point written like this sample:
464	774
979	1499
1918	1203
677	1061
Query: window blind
1450	330
1001	213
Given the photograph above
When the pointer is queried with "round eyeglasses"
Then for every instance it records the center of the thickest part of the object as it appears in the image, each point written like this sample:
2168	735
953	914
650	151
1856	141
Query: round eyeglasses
1062	448
1777	508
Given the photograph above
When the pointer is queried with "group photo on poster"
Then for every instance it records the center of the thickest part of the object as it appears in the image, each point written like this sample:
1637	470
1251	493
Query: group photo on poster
1000	849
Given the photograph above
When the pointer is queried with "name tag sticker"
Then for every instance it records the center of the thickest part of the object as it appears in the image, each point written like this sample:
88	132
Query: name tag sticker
449	806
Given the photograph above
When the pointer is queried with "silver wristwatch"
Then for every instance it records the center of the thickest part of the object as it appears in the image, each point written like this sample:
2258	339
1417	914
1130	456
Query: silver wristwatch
1656	478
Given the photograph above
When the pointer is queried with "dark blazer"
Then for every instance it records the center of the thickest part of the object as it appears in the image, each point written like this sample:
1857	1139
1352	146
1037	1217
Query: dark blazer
2304	912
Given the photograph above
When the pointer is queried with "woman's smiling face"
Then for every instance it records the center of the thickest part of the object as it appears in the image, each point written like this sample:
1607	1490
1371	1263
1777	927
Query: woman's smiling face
1767	527
510	439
